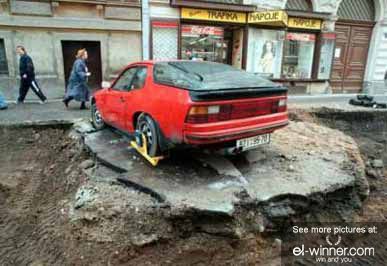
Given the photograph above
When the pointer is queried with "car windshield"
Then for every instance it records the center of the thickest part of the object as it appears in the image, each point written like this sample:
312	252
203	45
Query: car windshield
194	75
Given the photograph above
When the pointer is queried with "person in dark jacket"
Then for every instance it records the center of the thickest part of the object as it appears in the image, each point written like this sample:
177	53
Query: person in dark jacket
3	103
77	88
27	76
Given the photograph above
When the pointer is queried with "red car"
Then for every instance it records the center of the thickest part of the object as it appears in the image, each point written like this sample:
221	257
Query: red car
201	104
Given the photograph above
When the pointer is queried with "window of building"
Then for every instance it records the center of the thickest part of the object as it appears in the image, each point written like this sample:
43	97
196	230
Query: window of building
205	43
360	10
298	55
265	52
299	5
3	59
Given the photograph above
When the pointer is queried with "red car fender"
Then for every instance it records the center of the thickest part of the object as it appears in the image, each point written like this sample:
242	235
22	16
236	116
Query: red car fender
168	106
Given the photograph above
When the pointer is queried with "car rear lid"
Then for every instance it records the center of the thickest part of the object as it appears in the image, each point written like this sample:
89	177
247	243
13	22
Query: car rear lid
210	112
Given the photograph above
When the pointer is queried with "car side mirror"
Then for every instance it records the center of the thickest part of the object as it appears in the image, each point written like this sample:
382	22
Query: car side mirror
106	85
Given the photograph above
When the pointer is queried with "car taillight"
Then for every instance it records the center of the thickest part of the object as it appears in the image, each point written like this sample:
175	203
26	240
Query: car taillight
203	114
282	105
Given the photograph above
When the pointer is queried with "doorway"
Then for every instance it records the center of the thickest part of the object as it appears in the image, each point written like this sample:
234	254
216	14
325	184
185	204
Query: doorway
351	55
69	50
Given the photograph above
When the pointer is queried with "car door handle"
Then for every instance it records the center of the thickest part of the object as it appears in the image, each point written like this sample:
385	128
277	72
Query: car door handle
122	99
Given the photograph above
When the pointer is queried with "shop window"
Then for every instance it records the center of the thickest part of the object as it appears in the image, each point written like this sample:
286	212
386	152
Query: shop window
164	40
3	59
265	52
204	43
298	56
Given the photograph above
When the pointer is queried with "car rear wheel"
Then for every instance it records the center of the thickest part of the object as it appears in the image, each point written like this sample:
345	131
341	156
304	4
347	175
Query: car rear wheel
147	126
96	117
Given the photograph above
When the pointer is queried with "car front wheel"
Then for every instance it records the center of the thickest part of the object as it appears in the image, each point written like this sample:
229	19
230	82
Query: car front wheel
96	117
147	126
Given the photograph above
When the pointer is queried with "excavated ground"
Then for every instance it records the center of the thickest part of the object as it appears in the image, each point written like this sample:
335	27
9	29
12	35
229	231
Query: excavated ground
59	207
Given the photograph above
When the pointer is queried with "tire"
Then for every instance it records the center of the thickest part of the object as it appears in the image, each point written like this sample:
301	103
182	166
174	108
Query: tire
147	126
96	118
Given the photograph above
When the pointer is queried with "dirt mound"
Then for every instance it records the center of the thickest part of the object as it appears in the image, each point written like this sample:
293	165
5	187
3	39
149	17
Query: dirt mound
38	172
58	208
369	130
44	219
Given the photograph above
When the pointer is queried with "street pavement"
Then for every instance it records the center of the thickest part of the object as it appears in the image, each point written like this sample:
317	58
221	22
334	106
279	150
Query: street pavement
30	112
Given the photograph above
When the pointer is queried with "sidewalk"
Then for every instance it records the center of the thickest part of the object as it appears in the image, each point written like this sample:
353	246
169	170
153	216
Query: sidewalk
47	113
335	101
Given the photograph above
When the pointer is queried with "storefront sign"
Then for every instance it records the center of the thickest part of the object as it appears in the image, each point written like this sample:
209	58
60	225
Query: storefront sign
195	30
329	36
274	18
165	24
304	23
302	37
213	15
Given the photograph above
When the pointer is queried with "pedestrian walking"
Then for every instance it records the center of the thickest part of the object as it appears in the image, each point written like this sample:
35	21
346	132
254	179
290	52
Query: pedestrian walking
27	76
3	103
77	88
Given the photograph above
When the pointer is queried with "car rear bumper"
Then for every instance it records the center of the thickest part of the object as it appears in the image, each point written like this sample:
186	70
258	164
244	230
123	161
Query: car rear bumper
211	133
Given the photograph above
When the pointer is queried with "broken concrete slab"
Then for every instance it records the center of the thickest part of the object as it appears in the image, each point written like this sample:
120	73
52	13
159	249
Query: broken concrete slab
310	173
183	185
83	127
182	196
223	167
219	163
294	178
87	164
111	149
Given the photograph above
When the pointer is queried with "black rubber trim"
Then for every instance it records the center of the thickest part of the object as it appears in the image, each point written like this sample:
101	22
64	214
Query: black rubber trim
231	94
164	143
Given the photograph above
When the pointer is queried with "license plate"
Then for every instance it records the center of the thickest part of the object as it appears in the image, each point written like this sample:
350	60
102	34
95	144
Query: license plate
251	143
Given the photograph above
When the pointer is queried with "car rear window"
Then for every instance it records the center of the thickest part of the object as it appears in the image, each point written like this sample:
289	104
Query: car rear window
195	75
168	74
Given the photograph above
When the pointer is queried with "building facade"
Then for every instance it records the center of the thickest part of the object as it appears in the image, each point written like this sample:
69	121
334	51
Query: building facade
52	31
312	46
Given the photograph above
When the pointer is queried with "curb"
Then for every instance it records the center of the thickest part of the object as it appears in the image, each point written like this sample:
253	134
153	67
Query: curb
42	123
